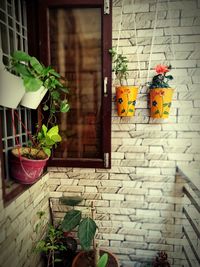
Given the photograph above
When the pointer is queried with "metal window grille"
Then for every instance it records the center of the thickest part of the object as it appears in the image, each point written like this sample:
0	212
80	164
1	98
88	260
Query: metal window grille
13	36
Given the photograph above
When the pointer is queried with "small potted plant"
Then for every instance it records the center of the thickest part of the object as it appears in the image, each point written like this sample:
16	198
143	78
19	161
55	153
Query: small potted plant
161	93
27	163
37	80
11	87
56	249
86	236
125	95
161	260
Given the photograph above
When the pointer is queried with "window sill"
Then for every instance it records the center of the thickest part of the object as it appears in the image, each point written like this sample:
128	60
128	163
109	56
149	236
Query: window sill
12	189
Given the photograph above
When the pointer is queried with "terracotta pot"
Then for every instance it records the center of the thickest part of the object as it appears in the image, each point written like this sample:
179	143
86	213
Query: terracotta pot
24	170
160	102
85	259
126	100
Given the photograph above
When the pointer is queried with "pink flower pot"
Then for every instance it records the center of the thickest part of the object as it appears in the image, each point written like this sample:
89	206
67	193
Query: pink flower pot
24	170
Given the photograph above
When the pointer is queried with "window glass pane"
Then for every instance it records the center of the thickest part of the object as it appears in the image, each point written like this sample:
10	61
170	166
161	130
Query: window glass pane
75	48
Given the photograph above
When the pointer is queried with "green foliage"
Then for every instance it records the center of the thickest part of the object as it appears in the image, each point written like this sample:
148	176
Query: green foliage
86	232
120	66
71	201
161	80
71	220
35	75
48	138
102	262
53	242
86	226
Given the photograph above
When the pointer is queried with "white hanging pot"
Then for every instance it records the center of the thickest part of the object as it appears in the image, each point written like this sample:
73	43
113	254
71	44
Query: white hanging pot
33	99
11	87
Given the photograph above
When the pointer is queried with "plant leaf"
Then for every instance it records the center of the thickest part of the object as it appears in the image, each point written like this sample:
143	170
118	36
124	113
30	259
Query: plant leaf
64	106
52	71
165	112
53	131
56	138
71	220
86	232
71	201
165	104
21	56
47	151
22	70
45	108
44	129
102	262
36	65
32	84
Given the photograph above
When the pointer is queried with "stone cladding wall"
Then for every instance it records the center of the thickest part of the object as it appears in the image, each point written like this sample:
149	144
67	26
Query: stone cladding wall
139	200
17	226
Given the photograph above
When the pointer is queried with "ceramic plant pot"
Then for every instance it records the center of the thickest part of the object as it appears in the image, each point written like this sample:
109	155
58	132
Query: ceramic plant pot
11	87
86	258
160	102
126	100
25	170
33	99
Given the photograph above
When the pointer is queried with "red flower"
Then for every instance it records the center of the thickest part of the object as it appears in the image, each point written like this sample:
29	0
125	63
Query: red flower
161	69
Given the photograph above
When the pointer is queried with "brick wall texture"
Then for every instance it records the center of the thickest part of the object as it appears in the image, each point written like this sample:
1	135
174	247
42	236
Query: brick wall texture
139	200
17	226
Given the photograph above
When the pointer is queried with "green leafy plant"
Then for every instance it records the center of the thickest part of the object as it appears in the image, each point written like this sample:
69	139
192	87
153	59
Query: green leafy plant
103	260
51	244
55	245
86	228
161	260
35	75
120	66
161	79
48	138
86	225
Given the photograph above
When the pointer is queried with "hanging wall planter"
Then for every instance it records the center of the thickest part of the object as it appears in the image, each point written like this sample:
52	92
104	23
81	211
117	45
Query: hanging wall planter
33	99
126	100
160	93
160	102
37	80
11	87
125	95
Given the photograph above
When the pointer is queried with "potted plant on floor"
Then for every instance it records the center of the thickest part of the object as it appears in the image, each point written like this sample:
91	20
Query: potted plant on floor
125	95
11	87
161	260
37	80
27	163
86	236
161	93
56	249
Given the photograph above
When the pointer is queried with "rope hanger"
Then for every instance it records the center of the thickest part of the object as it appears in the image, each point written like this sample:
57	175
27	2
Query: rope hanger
152	40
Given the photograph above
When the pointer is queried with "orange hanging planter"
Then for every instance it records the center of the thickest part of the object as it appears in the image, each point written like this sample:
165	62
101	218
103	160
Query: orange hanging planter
161	93
160	102
126	100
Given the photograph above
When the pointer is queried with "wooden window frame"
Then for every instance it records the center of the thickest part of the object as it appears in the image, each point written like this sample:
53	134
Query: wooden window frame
42	49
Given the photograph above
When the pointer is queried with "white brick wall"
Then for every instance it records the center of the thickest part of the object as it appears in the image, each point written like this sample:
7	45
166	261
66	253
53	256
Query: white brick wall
138	200
17	224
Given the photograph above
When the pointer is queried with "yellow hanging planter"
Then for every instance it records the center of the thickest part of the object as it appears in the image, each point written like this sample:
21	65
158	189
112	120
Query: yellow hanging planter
126	100
160	102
